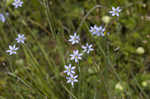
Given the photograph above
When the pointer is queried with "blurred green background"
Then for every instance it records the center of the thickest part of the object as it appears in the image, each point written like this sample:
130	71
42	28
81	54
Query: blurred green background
119	67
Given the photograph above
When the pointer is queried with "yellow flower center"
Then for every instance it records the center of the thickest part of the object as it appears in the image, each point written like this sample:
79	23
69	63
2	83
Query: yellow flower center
72	79
69	69
105	33
76	56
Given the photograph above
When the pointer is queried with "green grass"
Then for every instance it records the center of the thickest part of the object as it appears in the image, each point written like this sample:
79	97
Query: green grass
36	72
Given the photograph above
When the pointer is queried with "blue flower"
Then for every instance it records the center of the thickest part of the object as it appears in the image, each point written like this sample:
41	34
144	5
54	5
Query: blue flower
98	31
93	30
74	38
72	79
2	18
115	11
87	48
12	50
20	38
17	3
69	70
76	55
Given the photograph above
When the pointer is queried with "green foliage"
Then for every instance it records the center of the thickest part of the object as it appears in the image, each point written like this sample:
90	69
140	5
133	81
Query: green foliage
114	70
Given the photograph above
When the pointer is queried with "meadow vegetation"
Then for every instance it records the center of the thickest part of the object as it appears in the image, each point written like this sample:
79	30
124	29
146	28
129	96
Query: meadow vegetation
117	68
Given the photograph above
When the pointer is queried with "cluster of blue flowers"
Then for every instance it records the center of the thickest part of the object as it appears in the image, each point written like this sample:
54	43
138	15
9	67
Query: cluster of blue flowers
100	31
20	39
74	39
16	4
12	48
76	56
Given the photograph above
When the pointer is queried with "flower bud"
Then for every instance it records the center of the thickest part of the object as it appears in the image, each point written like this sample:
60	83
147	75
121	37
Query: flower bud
140	50
119	86
106	19
144	83
20	62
